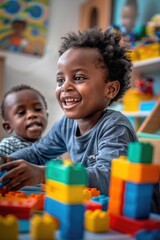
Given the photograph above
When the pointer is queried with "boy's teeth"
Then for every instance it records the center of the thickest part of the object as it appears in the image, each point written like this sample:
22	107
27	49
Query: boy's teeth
72	100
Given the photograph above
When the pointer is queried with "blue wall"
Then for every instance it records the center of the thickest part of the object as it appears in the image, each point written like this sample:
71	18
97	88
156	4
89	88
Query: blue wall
146	9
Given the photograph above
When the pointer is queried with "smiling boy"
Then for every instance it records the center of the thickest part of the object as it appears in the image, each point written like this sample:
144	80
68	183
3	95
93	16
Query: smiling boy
92	72
25	116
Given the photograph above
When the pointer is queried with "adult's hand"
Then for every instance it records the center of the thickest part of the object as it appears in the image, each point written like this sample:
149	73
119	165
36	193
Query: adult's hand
21	173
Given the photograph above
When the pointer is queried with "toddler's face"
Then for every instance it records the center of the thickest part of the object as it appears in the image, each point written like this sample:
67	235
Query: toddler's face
81	88
26	114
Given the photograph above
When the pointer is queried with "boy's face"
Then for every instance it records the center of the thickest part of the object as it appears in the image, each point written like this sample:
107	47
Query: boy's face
26	115
82	90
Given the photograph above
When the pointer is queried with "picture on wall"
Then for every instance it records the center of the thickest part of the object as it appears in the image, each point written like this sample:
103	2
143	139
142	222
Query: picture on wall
23	26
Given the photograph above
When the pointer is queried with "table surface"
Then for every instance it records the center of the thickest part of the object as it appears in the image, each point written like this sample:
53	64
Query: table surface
111	235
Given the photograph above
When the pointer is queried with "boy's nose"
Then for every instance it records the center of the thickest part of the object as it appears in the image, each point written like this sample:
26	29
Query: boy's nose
31	114
67	86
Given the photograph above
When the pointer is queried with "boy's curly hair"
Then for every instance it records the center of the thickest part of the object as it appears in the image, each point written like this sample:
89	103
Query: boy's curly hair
115	55
18	89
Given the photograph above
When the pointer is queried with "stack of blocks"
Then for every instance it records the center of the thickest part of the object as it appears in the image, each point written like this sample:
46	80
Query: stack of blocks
65	182
131	190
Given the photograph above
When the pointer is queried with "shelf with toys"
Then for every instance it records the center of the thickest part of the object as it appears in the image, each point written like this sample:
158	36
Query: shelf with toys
140	100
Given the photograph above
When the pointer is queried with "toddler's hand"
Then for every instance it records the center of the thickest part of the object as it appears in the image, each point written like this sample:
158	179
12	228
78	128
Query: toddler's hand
21	173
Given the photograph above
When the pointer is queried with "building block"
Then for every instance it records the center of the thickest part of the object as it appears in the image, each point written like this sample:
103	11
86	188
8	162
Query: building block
66	172
137	200
54	219
94	191
64	193
2	173
17	195
8	228
155	142
96	221
40	200
143	150
71	218
132	226
148	235
102	199
116	193
22	209
135	172
24	225
42	227
86	194
90	205
64	212
71	231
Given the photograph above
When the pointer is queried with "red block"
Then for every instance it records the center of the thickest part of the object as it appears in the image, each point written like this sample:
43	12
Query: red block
89	205
21	209
132	226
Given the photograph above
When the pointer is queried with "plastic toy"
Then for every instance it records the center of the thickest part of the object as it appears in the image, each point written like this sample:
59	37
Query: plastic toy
42	227
96	221
65	183
132	181
8	228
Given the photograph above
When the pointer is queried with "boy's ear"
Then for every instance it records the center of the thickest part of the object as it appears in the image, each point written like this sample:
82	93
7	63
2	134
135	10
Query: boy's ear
7	127
112	89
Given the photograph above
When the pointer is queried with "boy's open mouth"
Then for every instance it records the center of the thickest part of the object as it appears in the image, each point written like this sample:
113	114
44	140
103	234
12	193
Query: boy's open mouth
70	101
34	125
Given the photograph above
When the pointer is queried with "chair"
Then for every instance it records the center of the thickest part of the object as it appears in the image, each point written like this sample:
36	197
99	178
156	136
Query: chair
147	131
152	123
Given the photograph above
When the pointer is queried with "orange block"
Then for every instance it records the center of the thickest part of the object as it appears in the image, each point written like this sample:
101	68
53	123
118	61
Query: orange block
116	192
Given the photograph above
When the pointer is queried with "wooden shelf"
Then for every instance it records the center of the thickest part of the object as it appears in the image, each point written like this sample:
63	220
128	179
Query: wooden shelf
147	66
138	114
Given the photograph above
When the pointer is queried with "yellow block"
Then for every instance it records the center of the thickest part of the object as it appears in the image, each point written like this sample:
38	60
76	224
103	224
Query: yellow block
96	221
9	228
42	227
148	51
64	193
135	172
132	99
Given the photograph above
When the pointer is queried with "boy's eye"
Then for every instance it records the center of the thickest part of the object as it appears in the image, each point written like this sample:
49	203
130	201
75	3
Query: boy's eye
60	81
21	112
79	78
38	109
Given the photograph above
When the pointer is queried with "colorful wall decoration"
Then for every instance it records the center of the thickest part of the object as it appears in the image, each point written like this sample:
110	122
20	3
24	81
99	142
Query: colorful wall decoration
23	26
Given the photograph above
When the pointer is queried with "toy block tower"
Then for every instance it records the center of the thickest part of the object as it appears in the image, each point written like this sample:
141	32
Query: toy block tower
65	182
131	189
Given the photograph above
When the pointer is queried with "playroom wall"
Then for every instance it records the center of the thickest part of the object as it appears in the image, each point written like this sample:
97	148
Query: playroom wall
40	72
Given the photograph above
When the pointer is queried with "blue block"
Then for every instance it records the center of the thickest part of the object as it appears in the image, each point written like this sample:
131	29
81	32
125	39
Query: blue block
148	235
24	225
2	173
64	212
71	231
71	218
137	200
103	200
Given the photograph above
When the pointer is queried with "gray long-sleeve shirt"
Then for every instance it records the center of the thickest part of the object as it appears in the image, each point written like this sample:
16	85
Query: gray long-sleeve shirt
108	139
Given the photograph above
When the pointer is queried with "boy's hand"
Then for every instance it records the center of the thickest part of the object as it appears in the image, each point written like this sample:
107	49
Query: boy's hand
21	173
4	159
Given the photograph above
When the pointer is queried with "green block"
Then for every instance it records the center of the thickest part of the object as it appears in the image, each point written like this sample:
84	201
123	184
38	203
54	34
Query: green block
74	174
140	152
